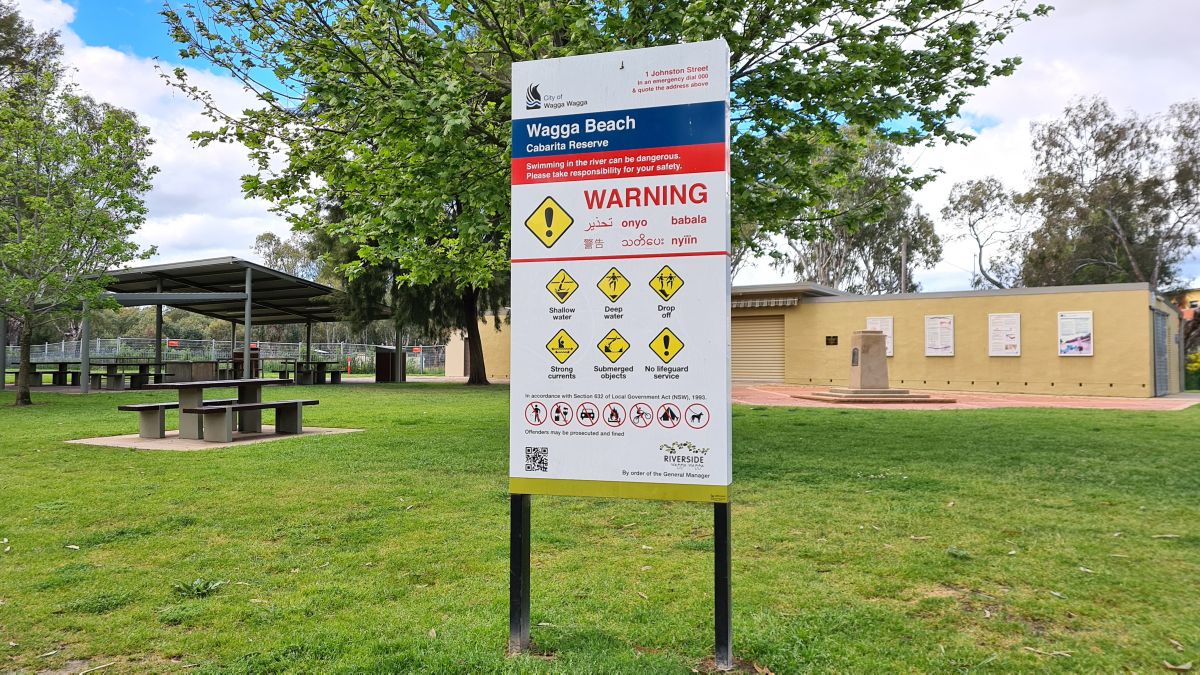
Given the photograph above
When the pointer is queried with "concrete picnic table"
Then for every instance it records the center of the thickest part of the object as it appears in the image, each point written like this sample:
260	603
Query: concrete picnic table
191	395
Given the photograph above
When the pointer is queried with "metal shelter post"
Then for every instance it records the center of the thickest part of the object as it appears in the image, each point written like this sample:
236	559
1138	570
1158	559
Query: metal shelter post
518	571
3	351
158	336
723	588
246	371
85	352
308	341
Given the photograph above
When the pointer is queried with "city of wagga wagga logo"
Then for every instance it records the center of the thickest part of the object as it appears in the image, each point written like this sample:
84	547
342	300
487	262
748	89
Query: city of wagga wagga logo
683	453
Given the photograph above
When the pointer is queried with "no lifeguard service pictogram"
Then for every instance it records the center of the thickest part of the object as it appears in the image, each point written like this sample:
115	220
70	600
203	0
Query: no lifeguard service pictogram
613	345
561	286
549	221
613	284
562	346
666	345
666	282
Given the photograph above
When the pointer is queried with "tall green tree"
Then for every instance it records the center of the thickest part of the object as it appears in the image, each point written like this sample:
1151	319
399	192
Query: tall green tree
988	215
401	110
72	172
867	236
1117	198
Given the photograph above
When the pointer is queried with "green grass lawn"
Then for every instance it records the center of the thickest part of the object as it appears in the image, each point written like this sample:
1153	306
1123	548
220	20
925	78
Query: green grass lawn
864	541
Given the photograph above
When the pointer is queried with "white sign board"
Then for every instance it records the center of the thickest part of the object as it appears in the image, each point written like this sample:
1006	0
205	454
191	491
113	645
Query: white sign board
884	325
1075	334
1004	334
939	335
620	276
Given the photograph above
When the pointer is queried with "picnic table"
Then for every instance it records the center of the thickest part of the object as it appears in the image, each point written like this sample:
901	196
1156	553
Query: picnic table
191	396
312	372
61	374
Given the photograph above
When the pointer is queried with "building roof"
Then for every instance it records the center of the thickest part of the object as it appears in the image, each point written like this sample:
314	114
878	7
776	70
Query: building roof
215	288
800	288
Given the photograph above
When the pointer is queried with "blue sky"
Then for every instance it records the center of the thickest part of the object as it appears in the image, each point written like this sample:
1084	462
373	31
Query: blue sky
1141	56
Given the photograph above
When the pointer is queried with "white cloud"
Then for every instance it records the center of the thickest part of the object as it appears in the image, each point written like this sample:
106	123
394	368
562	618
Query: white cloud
196	205
1141	56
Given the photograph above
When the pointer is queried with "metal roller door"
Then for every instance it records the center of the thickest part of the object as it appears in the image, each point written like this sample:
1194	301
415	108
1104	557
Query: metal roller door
1162	364
758	348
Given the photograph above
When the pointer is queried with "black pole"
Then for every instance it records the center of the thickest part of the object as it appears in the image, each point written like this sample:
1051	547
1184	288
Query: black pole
723	589
518	571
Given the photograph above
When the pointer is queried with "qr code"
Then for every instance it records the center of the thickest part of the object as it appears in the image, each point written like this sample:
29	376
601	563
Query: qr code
537	459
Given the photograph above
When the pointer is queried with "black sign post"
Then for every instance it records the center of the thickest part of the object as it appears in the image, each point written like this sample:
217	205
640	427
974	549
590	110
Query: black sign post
518	580
518	574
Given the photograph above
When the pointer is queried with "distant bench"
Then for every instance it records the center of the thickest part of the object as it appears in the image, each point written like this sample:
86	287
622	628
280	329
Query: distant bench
152	417
218	417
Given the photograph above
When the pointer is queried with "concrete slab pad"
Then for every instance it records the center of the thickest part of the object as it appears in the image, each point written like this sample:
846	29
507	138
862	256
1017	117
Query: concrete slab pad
172	441
790	395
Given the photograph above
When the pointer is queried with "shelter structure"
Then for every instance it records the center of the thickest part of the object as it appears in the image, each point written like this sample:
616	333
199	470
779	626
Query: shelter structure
229	289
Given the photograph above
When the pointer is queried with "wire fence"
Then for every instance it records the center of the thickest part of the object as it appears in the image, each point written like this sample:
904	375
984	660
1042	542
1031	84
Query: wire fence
358	358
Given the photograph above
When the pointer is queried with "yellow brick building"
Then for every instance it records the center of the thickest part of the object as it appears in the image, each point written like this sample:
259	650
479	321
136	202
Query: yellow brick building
800	334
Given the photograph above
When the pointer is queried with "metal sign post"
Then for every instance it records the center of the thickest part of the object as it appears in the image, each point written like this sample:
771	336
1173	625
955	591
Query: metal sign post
620	277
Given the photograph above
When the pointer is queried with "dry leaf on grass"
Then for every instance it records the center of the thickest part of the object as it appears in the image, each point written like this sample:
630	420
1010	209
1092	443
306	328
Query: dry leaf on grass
1181	668
433	633
644	596
646	568
1039	652
73	547
1084	569
1176	644
762	670
1058	595
916	538
1165	536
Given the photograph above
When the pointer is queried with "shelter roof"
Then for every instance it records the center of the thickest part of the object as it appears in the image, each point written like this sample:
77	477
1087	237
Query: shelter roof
215	288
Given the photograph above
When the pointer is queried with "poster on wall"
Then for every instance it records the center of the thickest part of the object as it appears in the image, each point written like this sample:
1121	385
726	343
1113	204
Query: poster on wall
939	335
1075	334
1004	334
884	324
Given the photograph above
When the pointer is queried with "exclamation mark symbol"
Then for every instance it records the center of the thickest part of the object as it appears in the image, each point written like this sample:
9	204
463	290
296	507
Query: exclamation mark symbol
549	214
666	345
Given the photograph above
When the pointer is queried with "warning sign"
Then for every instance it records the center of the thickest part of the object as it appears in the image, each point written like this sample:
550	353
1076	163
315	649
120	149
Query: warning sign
613	285
665	345
561	286
562	346
613	345
666	283
549	221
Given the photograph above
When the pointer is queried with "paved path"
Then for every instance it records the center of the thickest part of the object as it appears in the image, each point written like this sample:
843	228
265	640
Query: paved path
782	395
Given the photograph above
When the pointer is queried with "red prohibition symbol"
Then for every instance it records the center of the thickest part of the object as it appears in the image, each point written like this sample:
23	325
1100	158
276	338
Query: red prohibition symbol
668	415
614	414
587	413
641	415
696	416
535	413
561	413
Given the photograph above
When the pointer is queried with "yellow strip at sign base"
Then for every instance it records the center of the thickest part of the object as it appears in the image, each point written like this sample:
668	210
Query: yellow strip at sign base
601	488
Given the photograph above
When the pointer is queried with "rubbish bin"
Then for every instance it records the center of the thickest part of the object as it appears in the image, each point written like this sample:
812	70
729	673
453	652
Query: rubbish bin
390	365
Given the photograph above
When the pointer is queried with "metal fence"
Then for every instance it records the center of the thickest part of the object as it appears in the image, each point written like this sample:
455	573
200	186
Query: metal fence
359	358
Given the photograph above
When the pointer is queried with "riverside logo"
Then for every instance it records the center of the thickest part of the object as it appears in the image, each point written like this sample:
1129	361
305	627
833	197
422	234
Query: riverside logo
533	98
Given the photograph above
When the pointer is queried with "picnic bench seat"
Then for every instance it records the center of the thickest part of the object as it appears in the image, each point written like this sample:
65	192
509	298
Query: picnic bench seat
218	419
152	417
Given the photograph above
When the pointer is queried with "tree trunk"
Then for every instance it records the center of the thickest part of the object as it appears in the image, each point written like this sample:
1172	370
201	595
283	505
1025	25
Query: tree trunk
25	374
470	314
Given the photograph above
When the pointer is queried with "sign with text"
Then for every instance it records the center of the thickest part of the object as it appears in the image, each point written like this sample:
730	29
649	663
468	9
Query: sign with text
620	275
